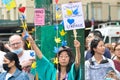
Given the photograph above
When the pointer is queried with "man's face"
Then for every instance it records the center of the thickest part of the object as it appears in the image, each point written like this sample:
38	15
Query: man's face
16	42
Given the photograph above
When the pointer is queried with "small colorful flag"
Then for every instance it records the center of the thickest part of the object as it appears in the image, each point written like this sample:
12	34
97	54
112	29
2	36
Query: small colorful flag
10	4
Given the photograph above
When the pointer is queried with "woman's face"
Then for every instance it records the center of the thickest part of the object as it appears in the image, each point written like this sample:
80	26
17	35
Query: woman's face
90	37
7	61
100	49
117	51
64	58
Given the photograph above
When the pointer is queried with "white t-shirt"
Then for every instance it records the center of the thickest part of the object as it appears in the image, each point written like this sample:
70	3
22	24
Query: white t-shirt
27	55
7	76
1	60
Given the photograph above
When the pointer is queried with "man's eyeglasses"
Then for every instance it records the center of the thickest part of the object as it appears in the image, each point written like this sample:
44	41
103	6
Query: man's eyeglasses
15	44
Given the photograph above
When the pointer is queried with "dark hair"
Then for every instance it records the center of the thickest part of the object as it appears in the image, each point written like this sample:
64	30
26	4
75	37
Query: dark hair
1	46
94	44
71	56
97	34
116	46
13	57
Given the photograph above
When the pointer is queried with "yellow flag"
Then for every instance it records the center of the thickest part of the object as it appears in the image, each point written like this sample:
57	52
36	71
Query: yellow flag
11	5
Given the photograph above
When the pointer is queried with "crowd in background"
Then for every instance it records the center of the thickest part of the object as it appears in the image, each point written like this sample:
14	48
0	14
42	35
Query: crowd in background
16	62
102	60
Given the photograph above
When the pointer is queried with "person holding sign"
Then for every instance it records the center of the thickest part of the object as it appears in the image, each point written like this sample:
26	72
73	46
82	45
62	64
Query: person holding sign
66	68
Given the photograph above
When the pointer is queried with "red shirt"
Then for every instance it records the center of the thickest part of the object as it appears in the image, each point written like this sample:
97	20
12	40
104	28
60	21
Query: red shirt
117	65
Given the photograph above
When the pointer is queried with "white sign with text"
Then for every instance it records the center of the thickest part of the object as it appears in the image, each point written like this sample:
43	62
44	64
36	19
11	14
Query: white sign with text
73	16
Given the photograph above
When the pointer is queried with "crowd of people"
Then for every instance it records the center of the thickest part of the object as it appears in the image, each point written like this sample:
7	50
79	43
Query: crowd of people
102	60
16	62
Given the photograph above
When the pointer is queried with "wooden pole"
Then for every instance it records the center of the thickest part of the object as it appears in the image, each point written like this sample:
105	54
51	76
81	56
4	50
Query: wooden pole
75	38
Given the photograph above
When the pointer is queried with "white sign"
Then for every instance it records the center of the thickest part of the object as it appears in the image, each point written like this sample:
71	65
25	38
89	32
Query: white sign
73	16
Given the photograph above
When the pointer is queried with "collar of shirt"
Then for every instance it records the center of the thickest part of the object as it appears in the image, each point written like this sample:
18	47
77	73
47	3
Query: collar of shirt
94	60
16	73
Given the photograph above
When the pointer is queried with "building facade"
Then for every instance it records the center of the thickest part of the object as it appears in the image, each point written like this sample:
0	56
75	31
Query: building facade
98	10
13	14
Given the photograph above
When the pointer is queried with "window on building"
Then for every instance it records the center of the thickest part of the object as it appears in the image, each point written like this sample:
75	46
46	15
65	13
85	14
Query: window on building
118	4
2	11
15	17
8	15
97	10
0	14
